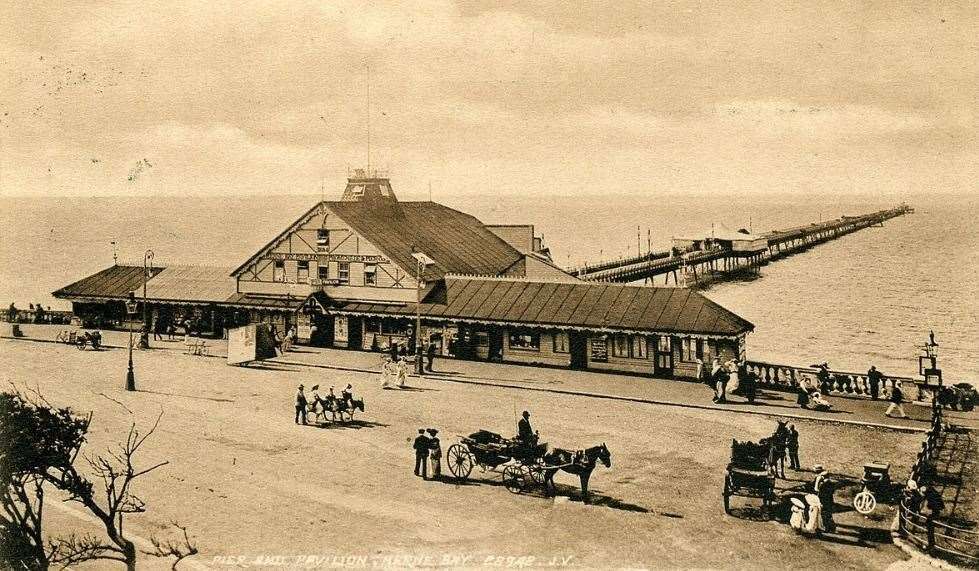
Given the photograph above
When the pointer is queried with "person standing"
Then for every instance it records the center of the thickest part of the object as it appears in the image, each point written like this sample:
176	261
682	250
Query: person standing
430	354
435	448
300	405
793	447
897	398
402	373
824	488
421	447
873	378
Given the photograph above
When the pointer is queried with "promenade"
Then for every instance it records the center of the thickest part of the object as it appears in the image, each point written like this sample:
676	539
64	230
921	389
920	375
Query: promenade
847	410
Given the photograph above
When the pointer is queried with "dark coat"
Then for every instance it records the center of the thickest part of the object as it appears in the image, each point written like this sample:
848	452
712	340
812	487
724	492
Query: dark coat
422	444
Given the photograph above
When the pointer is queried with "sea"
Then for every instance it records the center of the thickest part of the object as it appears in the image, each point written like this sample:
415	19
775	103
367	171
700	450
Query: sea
869	298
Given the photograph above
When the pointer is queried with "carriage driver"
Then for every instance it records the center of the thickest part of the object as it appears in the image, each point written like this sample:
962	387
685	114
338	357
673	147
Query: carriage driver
525	433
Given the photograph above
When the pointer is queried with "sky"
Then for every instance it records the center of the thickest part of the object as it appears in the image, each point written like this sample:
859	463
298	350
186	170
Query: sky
505	97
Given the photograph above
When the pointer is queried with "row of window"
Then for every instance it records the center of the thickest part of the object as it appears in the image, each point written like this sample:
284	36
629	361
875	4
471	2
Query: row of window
629	346
342	276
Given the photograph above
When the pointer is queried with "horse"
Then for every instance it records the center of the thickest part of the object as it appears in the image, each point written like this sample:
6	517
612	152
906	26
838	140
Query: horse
580	462
777	444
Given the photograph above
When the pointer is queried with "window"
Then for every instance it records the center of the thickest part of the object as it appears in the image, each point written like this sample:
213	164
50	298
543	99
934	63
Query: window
638	347
372	325
525	340
620	346
303	271
323	239
688	350
663	344
561	342
279	271
324	271
343	276
370	274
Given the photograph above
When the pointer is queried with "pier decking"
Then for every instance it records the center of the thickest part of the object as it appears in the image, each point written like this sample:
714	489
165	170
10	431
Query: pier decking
720	260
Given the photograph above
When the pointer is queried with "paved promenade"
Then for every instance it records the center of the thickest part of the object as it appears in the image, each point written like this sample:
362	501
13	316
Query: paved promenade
649	391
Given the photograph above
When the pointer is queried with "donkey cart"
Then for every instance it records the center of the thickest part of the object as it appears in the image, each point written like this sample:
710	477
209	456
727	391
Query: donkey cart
748	475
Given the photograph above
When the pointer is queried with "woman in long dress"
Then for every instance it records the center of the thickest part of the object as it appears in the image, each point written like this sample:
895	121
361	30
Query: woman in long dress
402	372
387	380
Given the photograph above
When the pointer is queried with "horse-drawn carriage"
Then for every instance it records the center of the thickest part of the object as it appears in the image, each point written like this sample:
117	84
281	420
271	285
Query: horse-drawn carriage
522	463
750	474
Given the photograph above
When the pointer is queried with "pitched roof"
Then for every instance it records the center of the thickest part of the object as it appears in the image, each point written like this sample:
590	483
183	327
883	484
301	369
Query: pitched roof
583	305
191	283
457	242
113	282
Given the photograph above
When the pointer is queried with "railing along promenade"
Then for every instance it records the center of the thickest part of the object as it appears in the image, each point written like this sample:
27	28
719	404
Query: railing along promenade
954	544
788	378
780	243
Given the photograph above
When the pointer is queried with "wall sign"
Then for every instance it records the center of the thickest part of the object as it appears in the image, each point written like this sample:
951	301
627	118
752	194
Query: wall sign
340	329
328	257
599	349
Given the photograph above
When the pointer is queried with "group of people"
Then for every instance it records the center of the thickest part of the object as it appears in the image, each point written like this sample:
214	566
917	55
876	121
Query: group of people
394	373
428	450
303	405
812	513
730	377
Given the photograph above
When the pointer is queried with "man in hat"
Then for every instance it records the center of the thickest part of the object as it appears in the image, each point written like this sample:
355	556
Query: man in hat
525	433
300	405
873	378
421	447
347	394
824	489
435	448
792	444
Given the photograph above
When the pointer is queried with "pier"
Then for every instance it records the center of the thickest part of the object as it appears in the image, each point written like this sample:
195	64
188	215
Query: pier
718	257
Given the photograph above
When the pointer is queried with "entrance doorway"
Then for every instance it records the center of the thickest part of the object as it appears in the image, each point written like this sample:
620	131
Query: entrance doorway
578	346
663	363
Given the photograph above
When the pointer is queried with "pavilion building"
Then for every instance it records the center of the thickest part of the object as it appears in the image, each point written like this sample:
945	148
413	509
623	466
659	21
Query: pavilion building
347	274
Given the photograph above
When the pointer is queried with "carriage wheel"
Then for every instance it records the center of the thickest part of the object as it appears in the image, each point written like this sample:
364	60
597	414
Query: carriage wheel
537	474
727	495
459	460
864	502
513	479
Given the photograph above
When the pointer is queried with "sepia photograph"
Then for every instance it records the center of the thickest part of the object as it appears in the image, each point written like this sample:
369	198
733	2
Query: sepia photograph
472	284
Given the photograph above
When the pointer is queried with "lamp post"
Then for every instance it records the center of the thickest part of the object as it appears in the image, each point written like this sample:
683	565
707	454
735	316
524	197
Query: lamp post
131	310
147	268
422	261
418	316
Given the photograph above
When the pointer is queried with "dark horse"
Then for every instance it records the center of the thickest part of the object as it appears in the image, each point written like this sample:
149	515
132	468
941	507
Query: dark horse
777	444
580	462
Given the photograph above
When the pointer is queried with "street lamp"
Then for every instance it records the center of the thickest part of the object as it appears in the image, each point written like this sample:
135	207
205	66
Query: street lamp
147	268
423	261
131	310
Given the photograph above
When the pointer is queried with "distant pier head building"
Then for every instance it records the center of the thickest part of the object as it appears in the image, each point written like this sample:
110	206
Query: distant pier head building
344	275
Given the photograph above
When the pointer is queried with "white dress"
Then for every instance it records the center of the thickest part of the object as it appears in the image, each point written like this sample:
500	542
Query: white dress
402	372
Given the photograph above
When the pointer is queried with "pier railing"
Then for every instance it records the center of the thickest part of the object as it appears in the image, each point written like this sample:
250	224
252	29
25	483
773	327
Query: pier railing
955	544
788	378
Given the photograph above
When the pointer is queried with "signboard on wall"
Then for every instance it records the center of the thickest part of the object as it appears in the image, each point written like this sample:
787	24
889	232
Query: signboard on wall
340	329
279	256
599	349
